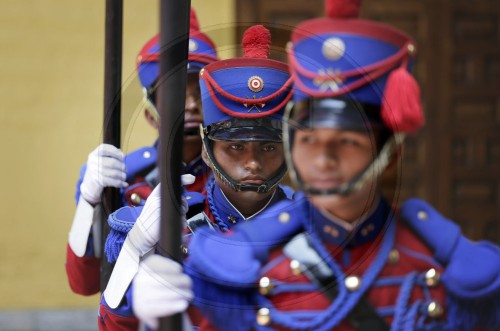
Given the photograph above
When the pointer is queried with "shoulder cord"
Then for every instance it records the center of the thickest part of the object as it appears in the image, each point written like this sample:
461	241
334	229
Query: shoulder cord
210	188
345	300
402	302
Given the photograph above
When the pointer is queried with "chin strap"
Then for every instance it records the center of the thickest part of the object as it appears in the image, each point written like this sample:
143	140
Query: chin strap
355	184
149	105
375	168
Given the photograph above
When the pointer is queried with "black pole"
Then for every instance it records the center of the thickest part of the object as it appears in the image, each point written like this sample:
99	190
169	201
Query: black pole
112	113
174	38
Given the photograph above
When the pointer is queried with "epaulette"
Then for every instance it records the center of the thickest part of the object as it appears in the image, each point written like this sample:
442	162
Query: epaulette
120	222
140	159
472	269
225	267
288	191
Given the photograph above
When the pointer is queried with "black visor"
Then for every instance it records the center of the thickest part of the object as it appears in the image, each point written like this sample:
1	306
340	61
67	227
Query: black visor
335	113
238	129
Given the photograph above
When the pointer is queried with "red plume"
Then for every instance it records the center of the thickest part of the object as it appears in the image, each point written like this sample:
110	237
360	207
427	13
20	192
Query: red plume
342	8
256	42
193	21
401	106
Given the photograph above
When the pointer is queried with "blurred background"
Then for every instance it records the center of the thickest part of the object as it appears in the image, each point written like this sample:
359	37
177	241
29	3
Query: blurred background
51	88
51	92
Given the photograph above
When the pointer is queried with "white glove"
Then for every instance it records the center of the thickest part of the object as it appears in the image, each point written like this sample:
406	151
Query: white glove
105	168
146	231
160	289
141	239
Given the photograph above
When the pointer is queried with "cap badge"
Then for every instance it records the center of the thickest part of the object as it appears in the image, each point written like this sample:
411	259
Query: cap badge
193	45
328	80
333	49
255	84
253	104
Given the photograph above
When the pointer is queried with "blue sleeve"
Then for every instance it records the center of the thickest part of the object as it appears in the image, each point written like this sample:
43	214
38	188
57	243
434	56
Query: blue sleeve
79	182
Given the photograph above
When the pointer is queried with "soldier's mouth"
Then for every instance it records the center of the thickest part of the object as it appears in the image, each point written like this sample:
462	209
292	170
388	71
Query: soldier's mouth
192	124
325	183
253	180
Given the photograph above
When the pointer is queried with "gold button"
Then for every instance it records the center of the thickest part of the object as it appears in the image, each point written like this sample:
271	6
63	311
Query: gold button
284	217
434	309
146	155
367	229
334	232
331	231
393	257
265	286
263	316
432	277
422	215
202	71
184	249
295	266
411	48
333	49
352	283
193	45
136	199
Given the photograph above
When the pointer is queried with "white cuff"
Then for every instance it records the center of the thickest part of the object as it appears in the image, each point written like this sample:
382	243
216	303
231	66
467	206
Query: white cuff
124	271
80	229
186	322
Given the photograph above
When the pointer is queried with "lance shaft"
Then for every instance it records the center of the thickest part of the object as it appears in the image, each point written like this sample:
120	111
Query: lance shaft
174	39
112	113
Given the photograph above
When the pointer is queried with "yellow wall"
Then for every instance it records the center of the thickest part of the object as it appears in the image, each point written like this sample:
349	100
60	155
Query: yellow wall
51	89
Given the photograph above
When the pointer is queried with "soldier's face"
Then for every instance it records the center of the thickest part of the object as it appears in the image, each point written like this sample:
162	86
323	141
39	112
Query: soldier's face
325	158
249	162
193	115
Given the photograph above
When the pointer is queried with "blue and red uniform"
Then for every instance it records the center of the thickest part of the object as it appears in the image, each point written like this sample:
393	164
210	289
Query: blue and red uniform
209	207
243	101
299	267
412	266
142	174
84	272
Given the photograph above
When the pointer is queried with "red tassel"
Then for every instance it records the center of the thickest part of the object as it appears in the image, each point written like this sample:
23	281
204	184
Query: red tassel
401	104
194	25
256	42
342	8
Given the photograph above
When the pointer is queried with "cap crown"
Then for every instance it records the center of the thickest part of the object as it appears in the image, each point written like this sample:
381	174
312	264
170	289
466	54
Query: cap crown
249	87
201	52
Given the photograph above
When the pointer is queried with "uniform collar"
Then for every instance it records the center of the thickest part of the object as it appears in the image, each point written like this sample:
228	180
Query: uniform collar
195	167
340	233
228	214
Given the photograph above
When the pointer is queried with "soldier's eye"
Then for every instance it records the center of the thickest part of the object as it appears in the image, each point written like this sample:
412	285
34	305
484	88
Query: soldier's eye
349	141
269	148
306	139
237	147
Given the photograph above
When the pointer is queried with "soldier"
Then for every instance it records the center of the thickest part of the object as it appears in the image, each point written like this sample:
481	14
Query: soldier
243	101
135	174
341	257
